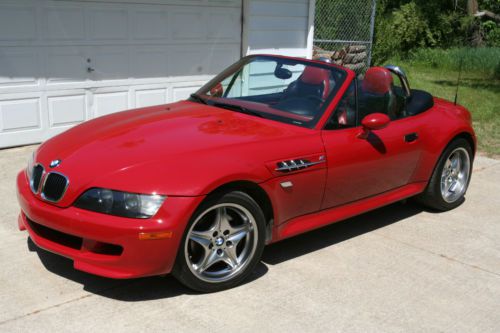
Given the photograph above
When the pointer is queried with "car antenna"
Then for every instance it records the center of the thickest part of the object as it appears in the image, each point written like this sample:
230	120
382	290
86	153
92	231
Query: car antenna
458	79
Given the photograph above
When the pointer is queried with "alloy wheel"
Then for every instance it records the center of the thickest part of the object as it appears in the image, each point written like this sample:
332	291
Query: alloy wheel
455	175
221	242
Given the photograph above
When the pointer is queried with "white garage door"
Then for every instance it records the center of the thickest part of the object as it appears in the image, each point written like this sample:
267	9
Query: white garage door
64	62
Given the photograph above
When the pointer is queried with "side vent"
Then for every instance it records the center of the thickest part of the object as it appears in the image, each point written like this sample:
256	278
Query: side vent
294	165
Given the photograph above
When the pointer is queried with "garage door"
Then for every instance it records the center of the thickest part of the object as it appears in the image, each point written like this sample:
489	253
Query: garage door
64	62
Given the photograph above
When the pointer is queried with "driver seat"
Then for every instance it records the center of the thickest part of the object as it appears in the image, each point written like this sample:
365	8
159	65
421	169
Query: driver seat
313	81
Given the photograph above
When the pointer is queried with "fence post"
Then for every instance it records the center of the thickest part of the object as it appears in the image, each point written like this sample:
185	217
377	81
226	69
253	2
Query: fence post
310	30
372	31
344	32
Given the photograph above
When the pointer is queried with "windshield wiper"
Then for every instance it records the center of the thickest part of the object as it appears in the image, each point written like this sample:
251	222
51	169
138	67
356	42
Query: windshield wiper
198	98
238	108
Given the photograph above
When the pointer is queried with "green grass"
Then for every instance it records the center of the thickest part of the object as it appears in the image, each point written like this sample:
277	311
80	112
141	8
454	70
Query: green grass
485	60
479	91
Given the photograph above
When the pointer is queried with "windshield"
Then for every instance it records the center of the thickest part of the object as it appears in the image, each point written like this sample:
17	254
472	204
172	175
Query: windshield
287	90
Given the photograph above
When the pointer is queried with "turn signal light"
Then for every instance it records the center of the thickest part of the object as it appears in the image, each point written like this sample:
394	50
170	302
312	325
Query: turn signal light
155	235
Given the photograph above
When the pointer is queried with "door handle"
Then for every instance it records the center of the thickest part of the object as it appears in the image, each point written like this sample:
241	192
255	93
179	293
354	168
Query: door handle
411	137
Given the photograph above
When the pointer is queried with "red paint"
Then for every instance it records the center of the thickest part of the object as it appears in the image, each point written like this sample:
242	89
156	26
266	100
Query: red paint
139	257
186	150
329	216
375	121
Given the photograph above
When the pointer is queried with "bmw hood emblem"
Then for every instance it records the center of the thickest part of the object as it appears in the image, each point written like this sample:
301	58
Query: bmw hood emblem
55	163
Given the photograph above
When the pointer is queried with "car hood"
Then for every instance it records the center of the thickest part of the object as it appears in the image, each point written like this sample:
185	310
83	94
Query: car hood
152	149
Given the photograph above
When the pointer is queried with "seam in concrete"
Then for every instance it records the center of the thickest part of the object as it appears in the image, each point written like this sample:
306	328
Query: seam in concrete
63	303
47	308
439	255
486	167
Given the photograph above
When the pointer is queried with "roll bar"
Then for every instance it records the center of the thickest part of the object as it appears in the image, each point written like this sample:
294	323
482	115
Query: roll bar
402	77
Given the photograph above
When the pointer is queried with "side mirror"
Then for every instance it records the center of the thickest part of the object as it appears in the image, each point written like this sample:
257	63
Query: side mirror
372	122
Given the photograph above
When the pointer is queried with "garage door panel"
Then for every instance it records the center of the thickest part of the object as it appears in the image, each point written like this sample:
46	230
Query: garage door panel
107	22
20	66
66	64
187	60
150	62
149	23
148	97
65	23
66	110
188	23
202	59
110	102
20	114
19	138
110	63
181	93
17	22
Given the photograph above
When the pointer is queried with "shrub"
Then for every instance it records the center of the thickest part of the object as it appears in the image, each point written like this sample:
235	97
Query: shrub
402	26
492	33
410	28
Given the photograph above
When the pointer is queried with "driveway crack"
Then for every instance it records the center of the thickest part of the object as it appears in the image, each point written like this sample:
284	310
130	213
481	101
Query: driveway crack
89	294
440	255
480	169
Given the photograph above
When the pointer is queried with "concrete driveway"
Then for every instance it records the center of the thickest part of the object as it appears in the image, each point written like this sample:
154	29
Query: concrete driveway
397	269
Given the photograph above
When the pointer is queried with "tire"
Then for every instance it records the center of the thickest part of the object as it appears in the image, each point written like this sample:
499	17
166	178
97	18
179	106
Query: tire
436	196
222	243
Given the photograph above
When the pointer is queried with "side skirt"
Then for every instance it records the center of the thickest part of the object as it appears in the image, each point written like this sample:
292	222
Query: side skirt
325	217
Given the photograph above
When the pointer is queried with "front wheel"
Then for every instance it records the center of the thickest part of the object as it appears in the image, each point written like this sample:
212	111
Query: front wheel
451	177
222	244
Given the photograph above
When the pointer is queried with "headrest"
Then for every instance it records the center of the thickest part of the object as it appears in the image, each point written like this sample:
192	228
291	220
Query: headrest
378	80
314	75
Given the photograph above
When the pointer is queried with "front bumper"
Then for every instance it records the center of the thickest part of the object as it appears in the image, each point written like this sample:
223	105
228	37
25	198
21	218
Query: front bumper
51	227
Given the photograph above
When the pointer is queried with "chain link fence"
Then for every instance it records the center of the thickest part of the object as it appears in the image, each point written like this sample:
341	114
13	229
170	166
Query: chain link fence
343	32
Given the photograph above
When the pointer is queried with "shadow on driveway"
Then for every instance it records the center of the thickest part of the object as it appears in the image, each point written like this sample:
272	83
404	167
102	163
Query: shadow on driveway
160	287
338	232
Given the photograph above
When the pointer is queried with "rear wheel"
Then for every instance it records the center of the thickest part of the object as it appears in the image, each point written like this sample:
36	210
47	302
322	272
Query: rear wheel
222	244
451	177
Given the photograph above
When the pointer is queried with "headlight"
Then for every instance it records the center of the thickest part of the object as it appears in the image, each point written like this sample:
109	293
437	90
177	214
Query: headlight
120	203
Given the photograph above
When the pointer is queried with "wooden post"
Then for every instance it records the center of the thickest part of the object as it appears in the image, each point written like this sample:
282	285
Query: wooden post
472	7
476	38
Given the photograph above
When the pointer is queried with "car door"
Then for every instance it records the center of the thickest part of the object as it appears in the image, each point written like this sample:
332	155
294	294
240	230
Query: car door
360	168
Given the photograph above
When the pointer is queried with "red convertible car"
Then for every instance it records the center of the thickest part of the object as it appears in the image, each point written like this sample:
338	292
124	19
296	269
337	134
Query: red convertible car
270	148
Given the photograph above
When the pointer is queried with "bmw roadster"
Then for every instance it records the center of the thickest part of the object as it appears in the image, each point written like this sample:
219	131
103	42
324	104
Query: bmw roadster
270	148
